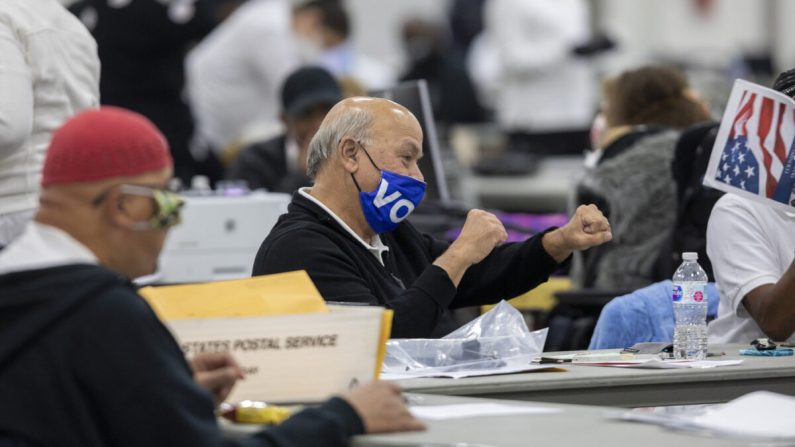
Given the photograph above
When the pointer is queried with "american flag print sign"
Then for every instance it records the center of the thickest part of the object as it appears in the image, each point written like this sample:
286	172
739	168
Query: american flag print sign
753	154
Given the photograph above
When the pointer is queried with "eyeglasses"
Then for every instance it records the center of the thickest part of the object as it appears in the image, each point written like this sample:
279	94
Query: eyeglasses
169	205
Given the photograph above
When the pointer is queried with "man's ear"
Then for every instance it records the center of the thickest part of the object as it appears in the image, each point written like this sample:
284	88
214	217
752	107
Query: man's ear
114	211
347	150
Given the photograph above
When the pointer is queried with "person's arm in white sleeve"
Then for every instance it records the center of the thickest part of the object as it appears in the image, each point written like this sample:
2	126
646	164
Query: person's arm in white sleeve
746	271
16	91
273	50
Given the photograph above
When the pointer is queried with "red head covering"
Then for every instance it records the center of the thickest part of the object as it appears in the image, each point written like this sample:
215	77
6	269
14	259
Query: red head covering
103	143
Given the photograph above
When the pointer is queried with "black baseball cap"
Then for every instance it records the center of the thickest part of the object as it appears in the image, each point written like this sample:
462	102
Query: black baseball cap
308	87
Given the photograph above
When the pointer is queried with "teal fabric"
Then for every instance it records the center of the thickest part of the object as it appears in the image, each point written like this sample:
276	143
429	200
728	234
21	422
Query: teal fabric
778	352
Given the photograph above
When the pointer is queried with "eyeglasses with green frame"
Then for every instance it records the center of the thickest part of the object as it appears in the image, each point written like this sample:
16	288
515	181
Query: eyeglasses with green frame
169	205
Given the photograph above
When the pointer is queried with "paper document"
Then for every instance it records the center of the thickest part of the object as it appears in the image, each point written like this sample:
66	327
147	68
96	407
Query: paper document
471	373
761	413
683	364
458	411
759	416
279	329
630	360
753	154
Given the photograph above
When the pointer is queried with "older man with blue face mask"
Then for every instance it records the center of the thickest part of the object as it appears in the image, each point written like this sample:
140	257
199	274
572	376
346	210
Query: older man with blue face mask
349	231
84	360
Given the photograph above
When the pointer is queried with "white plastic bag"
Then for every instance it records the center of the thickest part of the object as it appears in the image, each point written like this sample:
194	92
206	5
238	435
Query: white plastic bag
497	339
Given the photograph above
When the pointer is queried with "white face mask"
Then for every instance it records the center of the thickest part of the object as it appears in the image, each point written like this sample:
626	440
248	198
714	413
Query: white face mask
598	127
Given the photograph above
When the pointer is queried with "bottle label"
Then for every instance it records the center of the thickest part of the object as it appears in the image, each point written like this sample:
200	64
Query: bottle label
688	293
677	295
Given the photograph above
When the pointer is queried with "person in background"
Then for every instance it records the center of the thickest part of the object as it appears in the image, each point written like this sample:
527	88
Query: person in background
328	29
433	57
84	359
49	70
527	64
142	46
279	164
465	18
233	76
348	231
752	249
630	176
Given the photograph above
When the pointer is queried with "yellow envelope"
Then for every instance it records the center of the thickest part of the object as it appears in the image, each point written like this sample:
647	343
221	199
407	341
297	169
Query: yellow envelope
279	294
386	332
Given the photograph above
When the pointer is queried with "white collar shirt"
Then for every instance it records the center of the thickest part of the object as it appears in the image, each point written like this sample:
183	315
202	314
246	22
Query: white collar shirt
376	247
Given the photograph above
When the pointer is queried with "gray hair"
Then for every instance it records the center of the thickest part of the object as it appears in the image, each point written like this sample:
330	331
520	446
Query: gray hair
354	123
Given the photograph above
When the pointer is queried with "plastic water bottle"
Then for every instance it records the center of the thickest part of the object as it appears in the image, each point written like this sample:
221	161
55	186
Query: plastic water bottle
690	309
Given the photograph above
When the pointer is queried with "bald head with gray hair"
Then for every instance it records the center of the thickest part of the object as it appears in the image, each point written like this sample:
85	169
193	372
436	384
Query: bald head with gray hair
344	120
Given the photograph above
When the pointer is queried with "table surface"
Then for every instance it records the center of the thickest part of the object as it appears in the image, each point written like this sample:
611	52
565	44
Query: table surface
594	427
626	387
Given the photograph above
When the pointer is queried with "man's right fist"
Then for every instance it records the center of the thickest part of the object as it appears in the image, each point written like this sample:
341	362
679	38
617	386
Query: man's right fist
481	233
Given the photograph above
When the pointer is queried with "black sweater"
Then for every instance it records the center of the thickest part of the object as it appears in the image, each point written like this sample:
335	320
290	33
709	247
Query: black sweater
85	362
421	294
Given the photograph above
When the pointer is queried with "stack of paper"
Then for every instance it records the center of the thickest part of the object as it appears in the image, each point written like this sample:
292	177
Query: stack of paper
458	411
658	363
759	416
510	369
629	360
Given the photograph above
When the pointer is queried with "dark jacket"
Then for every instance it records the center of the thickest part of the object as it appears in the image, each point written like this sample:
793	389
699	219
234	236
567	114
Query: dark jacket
633	186
421	294
85	362
142	46
264	165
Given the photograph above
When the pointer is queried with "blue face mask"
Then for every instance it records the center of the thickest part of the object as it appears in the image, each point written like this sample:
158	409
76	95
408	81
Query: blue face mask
392	201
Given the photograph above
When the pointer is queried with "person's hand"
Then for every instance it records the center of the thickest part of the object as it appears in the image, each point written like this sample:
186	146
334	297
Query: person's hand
587	228
217	372
381	407
481	233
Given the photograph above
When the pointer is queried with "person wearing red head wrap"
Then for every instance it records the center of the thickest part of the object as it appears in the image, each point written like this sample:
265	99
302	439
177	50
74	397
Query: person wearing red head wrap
84	360
98	144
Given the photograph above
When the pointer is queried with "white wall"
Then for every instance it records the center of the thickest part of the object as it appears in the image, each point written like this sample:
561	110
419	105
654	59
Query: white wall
784	36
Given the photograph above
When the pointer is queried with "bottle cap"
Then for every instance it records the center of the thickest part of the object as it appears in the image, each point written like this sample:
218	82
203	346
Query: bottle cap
690	256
